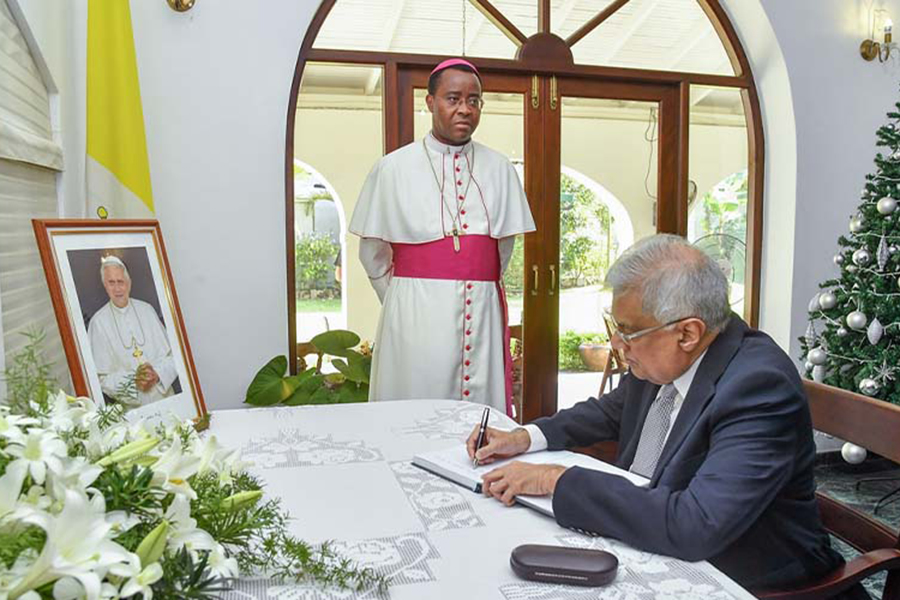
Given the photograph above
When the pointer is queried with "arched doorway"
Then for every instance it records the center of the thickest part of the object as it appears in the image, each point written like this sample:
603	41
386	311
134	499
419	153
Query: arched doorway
627	86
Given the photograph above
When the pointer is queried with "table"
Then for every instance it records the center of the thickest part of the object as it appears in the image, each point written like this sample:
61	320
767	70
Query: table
344	473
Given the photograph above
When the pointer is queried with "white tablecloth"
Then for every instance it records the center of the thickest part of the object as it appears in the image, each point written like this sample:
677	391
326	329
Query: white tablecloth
344	474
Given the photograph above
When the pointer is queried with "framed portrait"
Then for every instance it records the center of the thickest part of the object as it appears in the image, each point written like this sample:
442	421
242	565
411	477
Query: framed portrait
118	315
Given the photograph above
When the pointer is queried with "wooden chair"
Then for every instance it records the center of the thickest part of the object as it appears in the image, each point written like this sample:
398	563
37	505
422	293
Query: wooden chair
615	362
874	425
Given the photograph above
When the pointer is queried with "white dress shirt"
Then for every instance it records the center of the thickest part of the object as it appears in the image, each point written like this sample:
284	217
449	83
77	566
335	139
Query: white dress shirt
682	384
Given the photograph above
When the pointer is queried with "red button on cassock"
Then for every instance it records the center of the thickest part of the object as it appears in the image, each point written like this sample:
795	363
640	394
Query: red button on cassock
461	197
466	393
468	362
458	169
469	286
468	332
468	317
468	302
462	212
465	225
455	156
459	182
468	348
466	378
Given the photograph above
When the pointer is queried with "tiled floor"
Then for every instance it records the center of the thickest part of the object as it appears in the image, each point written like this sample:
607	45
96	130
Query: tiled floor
838	479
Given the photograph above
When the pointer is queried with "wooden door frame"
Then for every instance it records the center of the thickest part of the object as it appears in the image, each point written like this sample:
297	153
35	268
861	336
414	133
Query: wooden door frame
533	63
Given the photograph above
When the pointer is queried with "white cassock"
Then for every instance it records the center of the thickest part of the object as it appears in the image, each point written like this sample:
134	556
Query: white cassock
442	328
116	333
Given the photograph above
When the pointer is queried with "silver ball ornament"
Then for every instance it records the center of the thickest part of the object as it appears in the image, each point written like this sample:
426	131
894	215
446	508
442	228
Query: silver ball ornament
851	268
853	454
886	205
869	387
892	250
817	356
861	257
808	366
857	224
838	259
856	320
841	332
827	301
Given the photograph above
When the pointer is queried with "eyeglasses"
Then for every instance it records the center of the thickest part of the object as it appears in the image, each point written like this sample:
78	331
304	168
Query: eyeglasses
473	102
628	338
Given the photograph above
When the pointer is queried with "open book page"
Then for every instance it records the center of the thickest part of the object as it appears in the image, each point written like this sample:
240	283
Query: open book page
454	464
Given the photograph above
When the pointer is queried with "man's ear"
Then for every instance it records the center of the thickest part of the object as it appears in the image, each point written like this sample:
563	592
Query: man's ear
692	331
429	102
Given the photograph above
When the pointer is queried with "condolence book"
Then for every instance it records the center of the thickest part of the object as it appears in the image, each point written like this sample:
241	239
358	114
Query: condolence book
454	464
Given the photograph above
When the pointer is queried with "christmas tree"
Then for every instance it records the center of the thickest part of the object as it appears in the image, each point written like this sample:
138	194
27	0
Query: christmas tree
853	337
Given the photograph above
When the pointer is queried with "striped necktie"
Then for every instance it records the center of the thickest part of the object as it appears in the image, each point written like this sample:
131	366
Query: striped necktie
653	434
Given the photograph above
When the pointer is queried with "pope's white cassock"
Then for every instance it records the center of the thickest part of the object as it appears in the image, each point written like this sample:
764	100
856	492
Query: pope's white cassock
442	331
117	335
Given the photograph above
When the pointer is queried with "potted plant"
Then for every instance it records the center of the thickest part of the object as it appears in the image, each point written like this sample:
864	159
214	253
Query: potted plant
594	354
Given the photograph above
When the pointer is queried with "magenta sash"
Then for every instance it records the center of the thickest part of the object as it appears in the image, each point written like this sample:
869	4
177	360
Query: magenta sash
478	259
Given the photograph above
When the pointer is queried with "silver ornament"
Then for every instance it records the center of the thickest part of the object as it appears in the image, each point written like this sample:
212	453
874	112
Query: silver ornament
851	268
892	250
811	335
857	320
886	205
869	387
813	303
853	454
808	366
838	259
895	155
817	356
841	332
818	373
875	331
861	257
882	255
898	282
857	224
827	301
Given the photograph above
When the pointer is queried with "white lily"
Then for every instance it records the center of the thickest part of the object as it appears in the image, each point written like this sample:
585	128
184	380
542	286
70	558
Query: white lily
141	582
39	450
12	426
174	468
220	564
69	588
101	443
78	545
66	413
76	473
10	489
183	531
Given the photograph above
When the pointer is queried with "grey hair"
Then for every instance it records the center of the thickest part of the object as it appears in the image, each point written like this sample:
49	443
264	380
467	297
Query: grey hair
676	280
112	261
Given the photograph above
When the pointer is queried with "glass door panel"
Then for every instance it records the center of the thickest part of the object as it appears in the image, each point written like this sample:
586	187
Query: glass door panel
718	184
609	157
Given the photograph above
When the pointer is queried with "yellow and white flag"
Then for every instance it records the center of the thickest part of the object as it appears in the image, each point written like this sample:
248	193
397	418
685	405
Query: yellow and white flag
118	170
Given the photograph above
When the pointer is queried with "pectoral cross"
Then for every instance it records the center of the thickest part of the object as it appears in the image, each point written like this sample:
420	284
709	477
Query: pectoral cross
138	353
456	239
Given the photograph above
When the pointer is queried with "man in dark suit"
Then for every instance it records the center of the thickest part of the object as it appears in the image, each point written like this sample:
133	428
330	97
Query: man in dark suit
712	412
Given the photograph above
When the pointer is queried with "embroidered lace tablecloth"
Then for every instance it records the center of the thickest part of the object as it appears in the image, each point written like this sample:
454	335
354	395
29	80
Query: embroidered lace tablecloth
344	473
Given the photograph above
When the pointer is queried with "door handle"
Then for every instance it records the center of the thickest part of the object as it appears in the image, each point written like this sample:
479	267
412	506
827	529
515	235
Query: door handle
535	92
534	287
554	95
552	279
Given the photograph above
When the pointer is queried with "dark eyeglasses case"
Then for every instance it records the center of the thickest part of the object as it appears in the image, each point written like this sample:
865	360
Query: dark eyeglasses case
560	564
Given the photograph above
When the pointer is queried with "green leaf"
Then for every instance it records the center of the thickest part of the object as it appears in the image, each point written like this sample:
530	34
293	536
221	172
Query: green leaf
356	368
336	342
308	382
323	395
351	392
269	386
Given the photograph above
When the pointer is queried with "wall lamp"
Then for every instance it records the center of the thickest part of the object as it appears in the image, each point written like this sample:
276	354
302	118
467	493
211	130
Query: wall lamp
870	49
181	5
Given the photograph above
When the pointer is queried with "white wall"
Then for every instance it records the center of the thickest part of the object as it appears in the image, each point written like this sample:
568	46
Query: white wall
215	83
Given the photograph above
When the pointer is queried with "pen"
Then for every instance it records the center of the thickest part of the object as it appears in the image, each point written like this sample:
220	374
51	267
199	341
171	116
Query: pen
481	431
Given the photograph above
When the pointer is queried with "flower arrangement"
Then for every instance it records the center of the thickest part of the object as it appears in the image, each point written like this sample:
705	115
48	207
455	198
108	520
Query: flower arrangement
95	506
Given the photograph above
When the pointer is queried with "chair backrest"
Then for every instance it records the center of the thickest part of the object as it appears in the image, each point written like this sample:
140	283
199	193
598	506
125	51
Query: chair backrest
872	424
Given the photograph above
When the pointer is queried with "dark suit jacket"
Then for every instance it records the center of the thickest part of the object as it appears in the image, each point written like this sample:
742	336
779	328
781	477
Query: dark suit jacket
734	484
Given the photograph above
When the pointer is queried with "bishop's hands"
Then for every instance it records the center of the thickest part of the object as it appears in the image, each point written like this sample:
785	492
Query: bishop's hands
516	478
146	377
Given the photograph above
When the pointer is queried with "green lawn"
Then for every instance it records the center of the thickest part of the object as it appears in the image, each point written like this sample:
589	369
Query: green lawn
308	306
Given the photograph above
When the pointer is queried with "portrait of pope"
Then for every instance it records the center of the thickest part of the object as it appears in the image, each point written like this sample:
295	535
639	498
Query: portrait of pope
128	341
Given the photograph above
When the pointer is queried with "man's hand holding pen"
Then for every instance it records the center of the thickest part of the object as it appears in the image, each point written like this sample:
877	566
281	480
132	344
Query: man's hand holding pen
509	481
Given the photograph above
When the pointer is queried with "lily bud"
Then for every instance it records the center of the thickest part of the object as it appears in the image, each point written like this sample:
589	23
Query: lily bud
241	500
151	547
129	451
